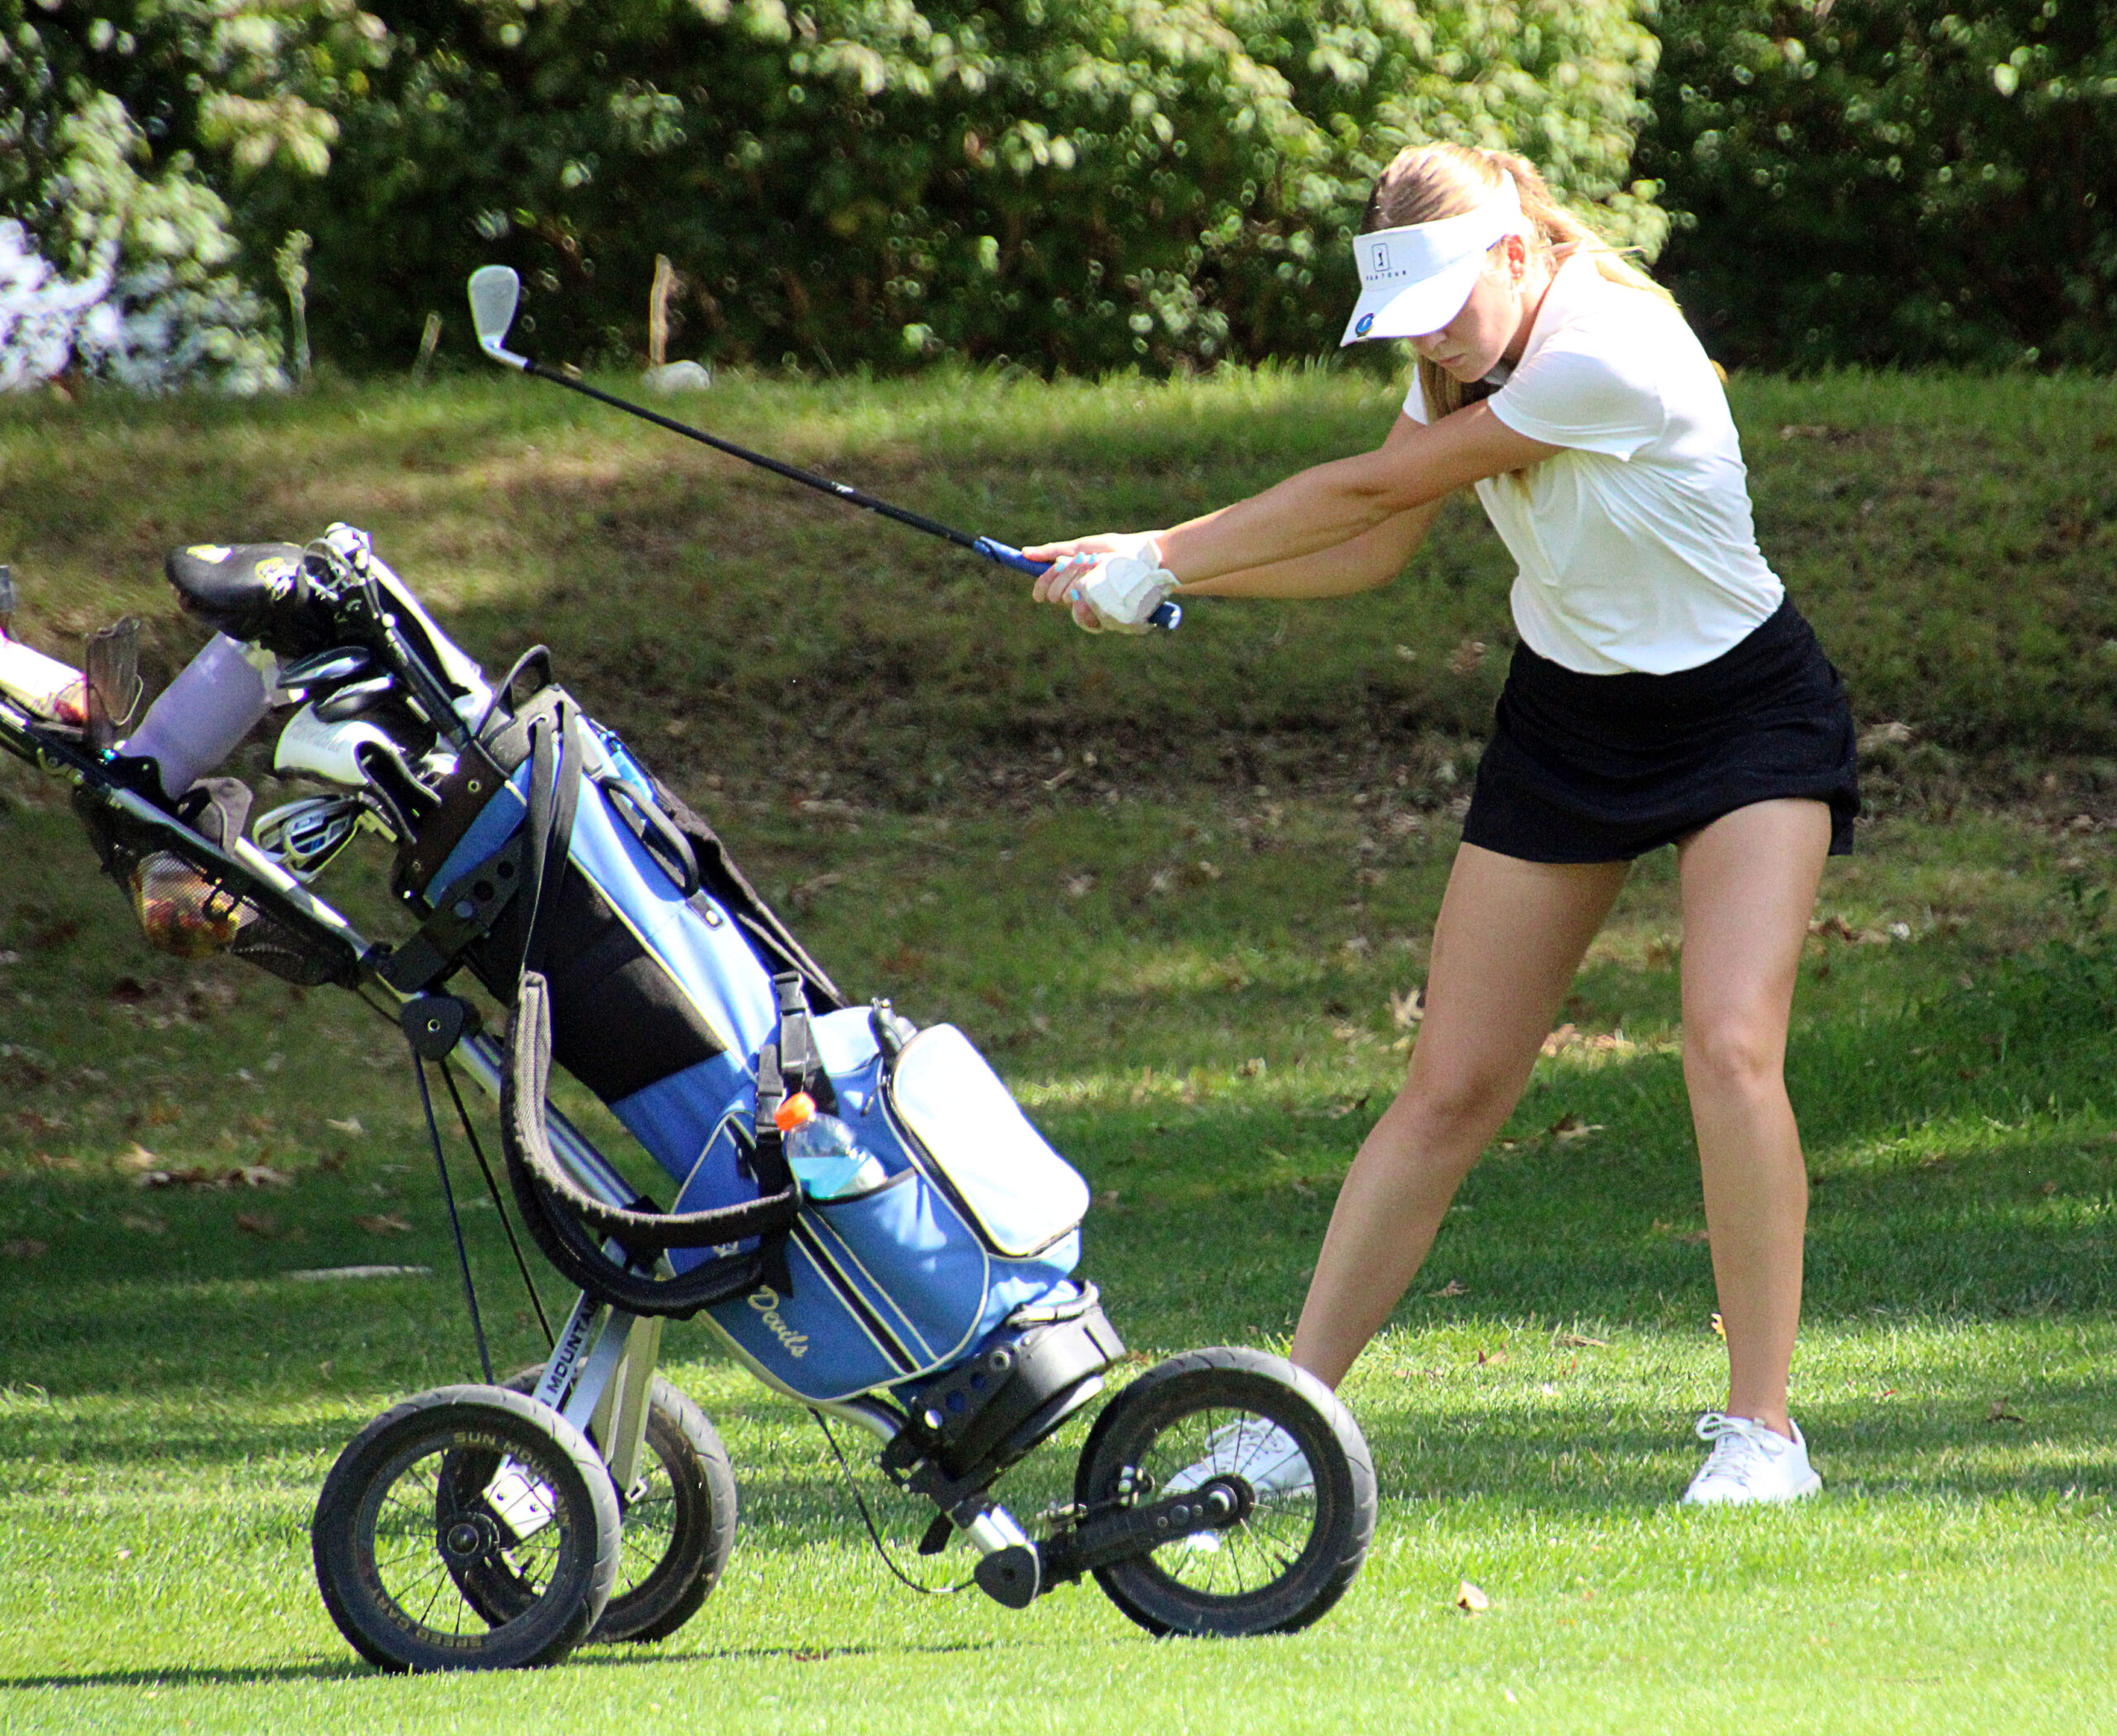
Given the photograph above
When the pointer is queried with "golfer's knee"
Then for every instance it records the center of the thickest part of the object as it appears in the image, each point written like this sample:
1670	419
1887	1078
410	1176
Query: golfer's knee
1455	1114
1735	1058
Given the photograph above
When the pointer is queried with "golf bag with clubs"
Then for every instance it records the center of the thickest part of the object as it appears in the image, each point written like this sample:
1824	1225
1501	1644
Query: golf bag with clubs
935	1305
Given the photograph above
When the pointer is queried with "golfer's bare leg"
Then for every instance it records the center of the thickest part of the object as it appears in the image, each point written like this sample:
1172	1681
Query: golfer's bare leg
1749	884
1509	939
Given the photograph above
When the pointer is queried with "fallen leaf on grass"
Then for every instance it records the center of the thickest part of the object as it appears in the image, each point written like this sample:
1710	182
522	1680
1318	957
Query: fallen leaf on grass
1466	657
24	1247
1406	1010
1835	927
137	1159
804	895
1253	1067
257	1223
351	1127
1559	1038
263	1176
1719	1327
2001	1411
1570	1128
1470	1599
1578	1341
1485	1356
383	1224
144	1222
1454	1287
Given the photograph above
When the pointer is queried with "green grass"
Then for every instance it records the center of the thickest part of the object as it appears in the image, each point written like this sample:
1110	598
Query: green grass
1195	999
1950	536
1176	889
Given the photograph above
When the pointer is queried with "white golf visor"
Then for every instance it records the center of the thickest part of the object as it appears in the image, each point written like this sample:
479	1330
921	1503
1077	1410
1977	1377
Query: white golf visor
1415	279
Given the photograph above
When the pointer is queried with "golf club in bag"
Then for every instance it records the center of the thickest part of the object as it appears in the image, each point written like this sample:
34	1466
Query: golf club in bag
935	1303
496	290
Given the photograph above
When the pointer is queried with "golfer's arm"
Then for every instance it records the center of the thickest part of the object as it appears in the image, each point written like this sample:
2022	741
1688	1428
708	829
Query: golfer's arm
1331	505
1363	563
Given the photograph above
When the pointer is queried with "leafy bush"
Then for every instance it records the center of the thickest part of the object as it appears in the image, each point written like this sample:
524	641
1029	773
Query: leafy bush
1888	181
1074	183
121	128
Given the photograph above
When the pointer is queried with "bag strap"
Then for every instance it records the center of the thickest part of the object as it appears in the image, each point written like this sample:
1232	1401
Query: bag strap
571	1225
525	1129
556	752
568	1221
657	836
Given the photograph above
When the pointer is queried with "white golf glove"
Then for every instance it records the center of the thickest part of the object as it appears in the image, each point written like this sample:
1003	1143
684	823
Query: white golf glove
1125	590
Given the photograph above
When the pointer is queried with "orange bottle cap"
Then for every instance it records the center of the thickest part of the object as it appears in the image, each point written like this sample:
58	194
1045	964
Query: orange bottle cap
794	1112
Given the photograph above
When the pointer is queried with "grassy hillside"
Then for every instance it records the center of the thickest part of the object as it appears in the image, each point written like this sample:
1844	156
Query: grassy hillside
1951	537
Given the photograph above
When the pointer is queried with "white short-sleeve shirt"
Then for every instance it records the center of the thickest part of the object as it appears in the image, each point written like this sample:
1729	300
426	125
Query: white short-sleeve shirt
1635	547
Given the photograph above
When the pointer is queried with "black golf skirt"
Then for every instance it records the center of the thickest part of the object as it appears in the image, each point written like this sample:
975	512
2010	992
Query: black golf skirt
1606	768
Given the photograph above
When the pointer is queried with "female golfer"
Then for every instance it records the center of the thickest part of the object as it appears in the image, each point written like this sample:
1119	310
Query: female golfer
1664	692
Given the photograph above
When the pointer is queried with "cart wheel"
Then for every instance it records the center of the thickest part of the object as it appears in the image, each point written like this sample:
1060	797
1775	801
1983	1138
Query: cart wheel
1237	1414
679	1520
466	1482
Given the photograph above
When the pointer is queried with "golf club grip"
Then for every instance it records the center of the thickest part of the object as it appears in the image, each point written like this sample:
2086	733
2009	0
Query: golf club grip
1169	617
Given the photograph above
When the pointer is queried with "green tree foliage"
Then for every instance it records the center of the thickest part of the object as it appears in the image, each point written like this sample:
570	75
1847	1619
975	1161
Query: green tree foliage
1890	181
126	130
1073	184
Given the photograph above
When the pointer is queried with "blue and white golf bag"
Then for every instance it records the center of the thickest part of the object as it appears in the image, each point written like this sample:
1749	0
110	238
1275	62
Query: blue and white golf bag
634	954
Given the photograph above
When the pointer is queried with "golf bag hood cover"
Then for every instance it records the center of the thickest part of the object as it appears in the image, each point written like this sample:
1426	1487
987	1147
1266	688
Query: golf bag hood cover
258	592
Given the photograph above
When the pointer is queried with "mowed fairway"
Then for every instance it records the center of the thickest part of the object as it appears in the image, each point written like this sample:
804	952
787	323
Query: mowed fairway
1210	1054
1180	890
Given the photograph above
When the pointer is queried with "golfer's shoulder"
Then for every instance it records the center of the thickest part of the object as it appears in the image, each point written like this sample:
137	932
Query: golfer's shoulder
1596	328
1609	354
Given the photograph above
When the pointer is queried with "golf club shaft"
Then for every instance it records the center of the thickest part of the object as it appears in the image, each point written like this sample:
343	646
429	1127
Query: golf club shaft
1003	554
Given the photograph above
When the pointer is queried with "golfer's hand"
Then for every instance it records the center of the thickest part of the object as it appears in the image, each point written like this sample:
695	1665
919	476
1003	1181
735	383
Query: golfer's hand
1072	561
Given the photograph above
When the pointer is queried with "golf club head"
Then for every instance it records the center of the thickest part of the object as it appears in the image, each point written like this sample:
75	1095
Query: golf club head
495	291
309	747
303	836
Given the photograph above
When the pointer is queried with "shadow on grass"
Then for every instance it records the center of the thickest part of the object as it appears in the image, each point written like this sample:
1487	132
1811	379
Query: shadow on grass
187	1677
595	1658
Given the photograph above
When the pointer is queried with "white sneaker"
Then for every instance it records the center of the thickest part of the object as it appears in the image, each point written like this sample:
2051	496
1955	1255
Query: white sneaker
1255	1449
1750	1463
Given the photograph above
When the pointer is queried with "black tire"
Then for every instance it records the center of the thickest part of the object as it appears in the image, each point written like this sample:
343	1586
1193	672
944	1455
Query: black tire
1291	1557
405	1513
679	1520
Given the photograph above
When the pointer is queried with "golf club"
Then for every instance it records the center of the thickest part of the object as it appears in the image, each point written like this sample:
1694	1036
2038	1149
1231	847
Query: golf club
303	836
495	291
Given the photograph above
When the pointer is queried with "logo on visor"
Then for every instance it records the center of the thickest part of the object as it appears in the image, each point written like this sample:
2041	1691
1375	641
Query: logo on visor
1379	257
1364	325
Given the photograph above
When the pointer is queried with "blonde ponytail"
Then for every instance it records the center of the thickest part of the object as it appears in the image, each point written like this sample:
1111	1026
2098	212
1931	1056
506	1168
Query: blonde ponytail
1426	182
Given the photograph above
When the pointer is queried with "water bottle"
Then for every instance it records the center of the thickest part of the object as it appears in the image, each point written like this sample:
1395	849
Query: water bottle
823	1152
208	709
